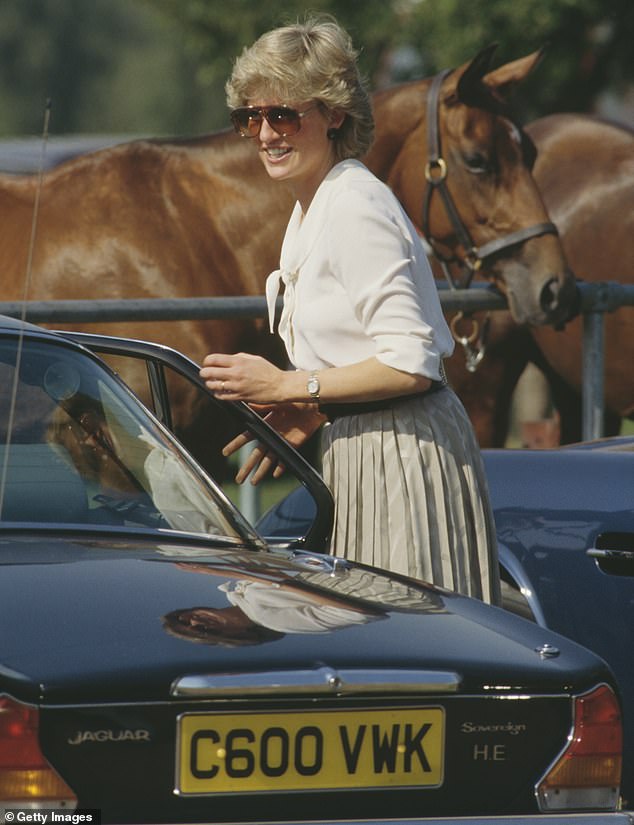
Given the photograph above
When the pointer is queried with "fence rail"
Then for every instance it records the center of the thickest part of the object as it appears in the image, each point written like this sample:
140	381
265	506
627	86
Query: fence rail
596	300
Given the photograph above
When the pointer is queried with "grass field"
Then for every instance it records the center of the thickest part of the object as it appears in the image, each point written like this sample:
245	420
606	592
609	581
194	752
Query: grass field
270	492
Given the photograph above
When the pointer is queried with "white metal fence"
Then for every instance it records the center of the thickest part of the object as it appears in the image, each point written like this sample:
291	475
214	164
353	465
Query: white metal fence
596	300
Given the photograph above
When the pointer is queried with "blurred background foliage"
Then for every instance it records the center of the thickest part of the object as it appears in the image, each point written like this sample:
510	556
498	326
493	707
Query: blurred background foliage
158	67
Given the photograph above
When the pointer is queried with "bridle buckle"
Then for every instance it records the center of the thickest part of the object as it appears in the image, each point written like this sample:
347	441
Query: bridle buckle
473	260
435	171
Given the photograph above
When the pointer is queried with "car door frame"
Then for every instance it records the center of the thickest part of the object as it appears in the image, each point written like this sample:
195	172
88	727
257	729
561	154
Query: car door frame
157	358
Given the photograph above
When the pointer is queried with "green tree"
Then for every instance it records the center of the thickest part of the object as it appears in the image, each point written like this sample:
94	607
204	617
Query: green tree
159	66
106	65
588	41
217	30
588	44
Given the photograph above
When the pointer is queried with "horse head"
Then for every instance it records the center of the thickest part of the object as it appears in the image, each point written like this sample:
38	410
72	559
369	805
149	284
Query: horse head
462	169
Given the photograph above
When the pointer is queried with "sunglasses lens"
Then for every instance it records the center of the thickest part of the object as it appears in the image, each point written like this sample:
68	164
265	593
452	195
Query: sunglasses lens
246	121
283	120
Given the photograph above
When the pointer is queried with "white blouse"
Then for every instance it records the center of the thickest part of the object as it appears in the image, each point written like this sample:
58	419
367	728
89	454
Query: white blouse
357	282
290	611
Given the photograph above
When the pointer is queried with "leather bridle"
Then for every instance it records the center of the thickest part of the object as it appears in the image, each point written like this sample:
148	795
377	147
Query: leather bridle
436	176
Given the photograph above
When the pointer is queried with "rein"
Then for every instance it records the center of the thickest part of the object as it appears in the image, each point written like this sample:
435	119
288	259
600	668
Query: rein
436	172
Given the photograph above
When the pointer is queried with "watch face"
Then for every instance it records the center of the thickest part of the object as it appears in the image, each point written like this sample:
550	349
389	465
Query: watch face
313	386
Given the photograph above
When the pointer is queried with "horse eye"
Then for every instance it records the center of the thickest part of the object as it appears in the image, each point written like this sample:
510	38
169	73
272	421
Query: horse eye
477	163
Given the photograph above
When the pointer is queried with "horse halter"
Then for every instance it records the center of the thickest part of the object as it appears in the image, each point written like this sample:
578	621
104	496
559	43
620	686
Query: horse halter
436	176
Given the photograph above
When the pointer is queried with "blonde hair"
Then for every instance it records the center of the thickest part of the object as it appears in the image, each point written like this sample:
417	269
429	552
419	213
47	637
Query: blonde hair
314	60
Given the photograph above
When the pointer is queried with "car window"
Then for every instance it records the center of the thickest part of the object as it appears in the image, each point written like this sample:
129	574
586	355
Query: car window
169	384
203	428
76	447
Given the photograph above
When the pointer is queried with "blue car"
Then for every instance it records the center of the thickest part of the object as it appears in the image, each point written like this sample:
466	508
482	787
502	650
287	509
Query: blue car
163	662
565	526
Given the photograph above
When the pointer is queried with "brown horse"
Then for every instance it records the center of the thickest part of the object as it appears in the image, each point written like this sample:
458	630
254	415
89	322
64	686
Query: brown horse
585	172
200	217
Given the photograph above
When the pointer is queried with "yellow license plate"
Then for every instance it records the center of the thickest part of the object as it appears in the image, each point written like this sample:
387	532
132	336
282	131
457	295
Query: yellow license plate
318	750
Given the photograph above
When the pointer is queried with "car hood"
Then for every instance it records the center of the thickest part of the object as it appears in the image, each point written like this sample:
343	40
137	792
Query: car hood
84	619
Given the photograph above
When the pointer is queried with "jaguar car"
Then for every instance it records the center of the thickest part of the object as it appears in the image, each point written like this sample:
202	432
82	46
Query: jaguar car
565	526
163	661
565	529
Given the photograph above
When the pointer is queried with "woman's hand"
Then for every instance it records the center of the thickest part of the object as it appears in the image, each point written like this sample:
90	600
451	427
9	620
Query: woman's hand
243	377
295	422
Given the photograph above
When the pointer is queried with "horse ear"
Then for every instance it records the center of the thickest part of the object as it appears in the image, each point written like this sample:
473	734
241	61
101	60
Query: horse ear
469	85
469	89
475	81
502	82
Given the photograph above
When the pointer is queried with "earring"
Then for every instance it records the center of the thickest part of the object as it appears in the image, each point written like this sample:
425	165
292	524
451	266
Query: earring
332	133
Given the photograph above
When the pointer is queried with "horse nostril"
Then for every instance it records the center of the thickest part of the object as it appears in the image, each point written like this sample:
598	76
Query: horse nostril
549	296
560	301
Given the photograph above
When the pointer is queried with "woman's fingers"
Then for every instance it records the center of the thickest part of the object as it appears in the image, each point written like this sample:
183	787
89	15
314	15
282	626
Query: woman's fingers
216	371
218	359
256	457
265	466
237	443
250	464
260	463
279	470
241	377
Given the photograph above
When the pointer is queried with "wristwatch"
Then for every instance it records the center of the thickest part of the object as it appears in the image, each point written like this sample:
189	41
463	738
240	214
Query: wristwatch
312	386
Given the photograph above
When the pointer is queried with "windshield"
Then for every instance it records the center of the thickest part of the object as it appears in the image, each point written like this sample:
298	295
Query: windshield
77	448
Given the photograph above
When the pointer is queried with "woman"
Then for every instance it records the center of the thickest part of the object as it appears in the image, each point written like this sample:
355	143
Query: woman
362	325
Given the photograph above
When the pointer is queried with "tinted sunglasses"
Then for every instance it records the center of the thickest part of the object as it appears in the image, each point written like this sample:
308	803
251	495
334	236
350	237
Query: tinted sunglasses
247	120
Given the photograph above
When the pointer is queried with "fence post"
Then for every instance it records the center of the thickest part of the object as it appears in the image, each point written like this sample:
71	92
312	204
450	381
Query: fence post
592	376
249	494
596	300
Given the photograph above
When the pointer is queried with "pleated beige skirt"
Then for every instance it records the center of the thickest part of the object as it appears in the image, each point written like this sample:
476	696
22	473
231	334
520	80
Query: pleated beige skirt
411	494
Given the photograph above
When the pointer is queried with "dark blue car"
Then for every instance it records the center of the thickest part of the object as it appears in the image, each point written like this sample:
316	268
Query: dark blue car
565	526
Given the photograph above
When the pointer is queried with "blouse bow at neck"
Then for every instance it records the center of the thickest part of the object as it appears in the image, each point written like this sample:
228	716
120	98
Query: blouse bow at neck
272	289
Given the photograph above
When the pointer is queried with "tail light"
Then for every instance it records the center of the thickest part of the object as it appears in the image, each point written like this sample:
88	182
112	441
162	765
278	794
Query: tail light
587	775
26	778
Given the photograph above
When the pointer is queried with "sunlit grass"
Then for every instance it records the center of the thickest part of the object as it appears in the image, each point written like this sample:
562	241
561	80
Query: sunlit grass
269	492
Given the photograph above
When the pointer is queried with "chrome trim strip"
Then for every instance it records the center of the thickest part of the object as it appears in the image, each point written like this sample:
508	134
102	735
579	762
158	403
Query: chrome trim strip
605	553
321	680
494	693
